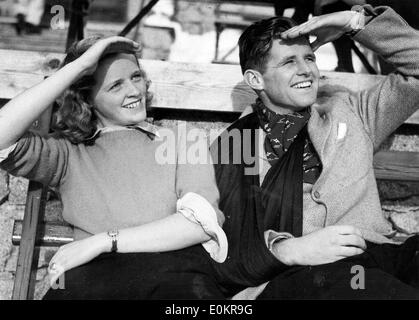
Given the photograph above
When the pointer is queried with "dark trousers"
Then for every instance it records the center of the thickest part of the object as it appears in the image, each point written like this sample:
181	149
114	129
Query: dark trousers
385	271
181	274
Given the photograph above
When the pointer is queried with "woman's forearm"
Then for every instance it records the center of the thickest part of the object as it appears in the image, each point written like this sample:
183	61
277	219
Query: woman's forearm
171	233
20	112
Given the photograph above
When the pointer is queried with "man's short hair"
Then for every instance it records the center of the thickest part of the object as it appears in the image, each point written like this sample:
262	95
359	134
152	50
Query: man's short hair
256	41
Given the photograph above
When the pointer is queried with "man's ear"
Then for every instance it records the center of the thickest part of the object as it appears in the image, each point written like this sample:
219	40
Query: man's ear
253	79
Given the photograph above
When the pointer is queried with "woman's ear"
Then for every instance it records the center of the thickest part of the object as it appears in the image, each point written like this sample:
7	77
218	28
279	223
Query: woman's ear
254	79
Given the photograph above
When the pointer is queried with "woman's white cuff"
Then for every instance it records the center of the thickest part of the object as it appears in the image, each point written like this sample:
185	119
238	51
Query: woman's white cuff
198	210
5	152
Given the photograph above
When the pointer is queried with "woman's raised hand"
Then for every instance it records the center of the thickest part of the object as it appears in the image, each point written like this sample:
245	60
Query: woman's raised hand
326	28
90	58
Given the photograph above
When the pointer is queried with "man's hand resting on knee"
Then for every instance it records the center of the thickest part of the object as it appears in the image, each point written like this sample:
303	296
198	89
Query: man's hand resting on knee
324	246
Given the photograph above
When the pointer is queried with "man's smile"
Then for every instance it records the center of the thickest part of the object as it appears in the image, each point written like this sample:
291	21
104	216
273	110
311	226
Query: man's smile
306	84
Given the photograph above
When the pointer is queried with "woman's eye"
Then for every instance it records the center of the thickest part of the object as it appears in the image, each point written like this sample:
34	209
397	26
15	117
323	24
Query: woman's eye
115	86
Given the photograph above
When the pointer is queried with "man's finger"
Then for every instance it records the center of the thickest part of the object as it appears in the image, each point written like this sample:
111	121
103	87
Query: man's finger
353	240
350	251
316	44
301	29
349	230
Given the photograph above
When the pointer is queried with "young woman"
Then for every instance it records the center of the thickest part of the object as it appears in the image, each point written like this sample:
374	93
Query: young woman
139	225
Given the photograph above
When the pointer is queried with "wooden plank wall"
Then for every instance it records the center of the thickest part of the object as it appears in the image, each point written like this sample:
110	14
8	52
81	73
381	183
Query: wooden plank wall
209	87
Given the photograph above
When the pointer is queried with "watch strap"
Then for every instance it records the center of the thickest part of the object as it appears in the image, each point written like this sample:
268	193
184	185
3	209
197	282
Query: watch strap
113	234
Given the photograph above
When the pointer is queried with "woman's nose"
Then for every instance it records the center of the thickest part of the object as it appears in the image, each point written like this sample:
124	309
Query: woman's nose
133	90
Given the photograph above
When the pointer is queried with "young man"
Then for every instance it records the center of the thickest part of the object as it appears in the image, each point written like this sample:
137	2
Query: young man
311	220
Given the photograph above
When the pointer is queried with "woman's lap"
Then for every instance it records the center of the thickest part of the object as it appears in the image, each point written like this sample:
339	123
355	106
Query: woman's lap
181	274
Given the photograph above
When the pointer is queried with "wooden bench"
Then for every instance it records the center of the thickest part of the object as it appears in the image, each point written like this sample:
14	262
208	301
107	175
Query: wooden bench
212	91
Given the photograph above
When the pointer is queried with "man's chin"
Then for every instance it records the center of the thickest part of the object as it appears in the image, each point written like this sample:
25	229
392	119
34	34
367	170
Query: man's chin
305	103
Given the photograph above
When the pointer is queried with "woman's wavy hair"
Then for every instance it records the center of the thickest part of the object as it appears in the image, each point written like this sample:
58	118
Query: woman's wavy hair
74	119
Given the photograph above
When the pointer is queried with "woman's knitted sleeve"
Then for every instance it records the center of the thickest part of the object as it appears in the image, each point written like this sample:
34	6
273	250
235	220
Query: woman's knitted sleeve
37	158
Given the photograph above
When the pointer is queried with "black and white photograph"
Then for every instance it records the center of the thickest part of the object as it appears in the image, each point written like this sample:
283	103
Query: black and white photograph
214	156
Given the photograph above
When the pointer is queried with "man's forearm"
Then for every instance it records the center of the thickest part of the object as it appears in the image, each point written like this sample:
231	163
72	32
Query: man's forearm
391	37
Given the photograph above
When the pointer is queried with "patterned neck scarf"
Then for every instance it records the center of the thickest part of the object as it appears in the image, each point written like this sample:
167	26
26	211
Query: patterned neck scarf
281	131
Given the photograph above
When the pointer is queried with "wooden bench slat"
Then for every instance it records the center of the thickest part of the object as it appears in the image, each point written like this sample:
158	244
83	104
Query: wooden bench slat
50	234
397	165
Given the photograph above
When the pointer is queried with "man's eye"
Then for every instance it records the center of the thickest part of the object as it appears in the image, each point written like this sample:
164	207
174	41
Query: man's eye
137	77
311	58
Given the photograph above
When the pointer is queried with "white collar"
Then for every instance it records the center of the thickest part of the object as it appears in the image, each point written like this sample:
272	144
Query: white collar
149	129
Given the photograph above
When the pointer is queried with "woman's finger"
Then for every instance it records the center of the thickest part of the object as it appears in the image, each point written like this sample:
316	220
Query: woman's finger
55	270
118	47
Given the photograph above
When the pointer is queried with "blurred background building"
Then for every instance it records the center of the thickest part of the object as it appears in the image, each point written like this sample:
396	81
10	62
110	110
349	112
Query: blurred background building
177	30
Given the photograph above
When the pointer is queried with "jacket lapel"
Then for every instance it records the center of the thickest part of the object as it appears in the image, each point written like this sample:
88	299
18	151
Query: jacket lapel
323	135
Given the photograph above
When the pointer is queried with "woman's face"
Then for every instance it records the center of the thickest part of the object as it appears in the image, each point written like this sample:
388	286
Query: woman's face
119	95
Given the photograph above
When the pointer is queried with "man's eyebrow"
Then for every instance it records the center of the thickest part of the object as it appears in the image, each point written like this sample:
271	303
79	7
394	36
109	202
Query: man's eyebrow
287	58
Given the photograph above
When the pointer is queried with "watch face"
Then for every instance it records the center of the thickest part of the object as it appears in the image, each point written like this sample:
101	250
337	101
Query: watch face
113	233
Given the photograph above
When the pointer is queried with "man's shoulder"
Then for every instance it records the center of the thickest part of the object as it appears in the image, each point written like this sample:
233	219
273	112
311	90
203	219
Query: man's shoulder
333	98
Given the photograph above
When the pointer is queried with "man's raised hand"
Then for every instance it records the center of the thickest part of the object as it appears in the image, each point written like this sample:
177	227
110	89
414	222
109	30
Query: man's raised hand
326	28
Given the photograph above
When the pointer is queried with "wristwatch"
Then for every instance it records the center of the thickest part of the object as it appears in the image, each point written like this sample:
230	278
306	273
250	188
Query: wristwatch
113	234
358	20
365	14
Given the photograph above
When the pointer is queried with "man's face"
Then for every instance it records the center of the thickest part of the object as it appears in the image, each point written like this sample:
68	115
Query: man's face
291	77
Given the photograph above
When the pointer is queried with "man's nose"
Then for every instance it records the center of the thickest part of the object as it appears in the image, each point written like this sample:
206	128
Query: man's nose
303	68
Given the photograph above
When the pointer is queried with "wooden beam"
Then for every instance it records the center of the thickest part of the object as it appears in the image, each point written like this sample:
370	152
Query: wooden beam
25	277
208	87
49	234
138	18
397	165
27	261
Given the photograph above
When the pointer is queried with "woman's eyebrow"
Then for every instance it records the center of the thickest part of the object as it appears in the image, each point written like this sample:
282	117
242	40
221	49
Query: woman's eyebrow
111	83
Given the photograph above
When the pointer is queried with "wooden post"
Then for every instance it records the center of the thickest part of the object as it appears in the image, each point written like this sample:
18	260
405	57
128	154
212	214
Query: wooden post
76	27
138	18
27	262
